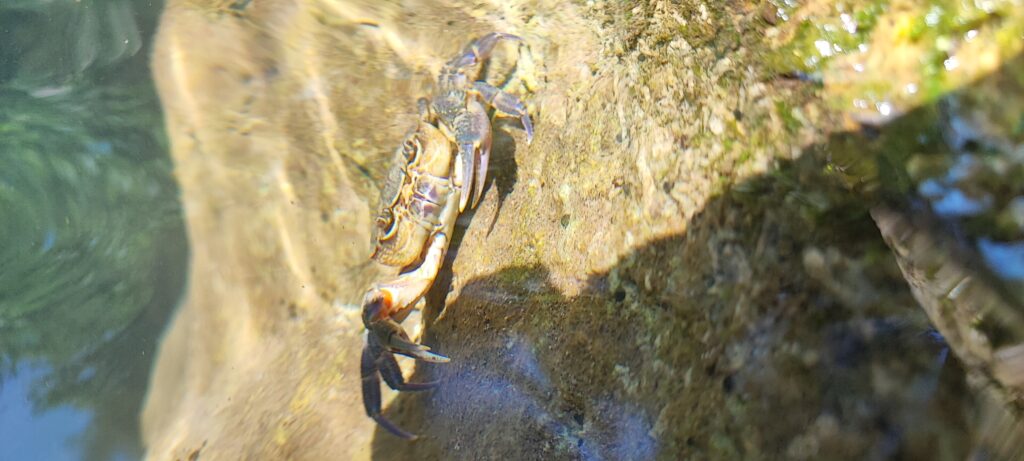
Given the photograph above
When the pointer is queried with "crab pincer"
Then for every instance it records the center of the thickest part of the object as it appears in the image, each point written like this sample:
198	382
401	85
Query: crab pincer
473	136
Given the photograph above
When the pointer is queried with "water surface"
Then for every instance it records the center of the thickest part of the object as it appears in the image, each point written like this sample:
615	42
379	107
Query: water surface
92	246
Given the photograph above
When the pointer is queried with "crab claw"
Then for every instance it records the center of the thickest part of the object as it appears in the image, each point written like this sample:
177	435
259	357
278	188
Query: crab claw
484	156
400	344
468	157
474	139
390	334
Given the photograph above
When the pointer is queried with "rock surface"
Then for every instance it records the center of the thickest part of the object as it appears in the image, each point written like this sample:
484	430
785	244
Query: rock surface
666	271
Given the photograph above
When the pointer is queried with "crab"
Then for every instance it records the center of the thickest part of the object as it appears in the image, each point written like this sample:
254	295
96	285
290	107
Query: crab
440	165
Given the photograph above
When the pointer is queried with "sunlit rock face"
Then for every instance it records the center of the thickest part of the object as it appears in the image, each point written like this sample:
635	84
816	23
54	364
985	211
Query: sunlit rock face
670	269
263	106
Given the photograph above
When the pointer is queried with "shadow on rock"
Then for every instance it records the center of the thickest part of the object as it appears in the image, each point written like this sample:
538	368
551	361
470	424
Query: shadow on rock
738	337
779	324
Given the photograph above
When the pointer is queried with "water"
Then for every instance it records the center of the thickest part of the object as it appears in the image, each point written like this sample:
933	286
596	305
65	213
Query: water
92	246
27	432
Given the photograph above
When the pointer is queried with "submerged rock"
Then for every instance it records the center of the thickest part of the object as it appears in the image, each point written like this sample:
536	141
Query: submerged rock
665	271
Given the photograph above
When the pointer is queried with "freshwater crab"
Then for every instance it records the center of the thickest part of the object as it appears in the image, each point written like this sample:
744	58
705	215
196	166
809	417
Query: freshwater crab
425	190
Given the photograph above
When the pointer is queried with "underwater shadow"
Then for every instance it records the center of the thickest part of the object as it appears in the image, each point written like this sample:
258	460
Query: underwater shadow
778	324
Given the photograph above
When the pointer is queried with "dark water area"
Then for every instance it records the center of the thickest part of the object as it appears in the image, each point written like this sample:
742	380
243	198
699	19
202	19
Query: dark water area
92	244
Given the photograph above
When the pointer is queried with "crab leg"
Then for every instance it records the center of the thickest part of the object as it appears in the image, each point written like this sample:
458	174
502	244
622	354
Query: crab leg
506	104
371	395
384	307
411	286
373	352
405	291
480	49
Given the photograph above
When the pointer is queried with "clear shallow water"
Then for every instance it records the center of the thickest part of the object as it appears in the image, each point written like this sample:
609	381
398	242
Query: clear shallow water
92	246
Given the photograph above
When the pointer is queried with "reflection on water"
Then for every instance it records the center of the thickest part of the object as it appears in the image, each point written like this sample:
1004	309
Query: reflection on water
27	433
92	247
1007	259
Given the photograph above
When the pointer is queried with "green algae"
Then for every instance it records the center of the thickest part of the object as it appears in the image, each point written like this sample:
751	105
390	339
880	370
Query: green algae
880	58
816	40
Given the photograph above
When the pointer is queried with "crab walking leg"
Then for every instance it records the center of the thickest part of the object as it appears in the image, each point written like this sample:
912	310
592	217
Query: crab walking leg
371	392
506	104
480	49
